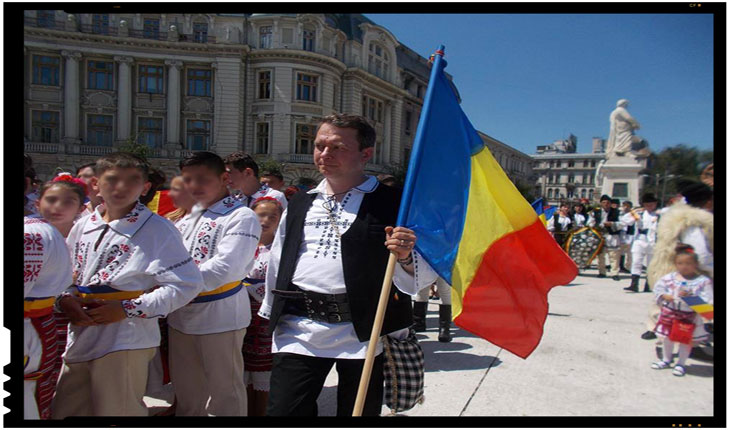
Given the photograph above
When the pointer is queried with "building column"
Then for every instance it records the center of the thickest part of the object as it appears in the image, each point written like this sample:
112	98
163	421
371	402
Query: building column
124	97
387	132
173	101
71	96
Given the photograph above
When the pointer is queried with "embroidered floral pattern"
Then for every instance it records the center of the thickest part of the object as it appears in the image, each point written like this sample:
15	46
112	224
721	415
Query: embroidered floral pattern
32	271
110	261
131	308
33	242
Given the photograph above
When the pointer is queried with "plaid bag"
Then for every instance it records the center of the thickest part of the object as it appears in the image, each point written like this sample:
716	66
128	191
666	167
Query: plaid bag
403	371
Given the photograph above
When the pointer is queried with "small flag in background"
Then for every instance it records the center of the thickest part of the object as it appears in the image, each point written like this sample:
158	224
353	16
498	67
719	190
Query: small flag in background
479	234
700	306
161	204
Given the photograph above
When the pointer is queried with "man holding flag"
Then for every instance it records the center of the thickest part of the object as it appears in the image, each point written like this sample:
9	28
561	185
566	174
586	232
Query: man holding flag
327	260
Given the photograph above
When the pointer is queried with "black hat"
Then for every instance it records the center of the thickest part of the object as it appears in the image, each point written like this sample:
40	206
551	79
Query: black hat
648	198
695	193
617	201
605	197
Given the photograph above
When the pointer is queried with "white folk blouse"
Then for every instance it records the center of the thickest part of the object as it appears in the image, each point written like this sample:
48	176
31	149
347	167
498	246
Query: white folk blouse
47	265
222	241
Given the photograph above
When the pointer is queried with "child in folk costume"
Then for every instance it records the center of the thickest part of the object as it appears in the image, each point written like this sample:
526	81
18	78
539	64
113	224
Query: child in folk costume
47	273
560	224
120	252
206	337
61	203
579	216
685	281
257	356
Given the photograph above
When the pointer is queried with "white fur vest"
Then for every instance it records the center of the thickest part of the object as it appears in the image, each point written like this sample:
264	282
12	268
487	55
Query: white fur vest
671	226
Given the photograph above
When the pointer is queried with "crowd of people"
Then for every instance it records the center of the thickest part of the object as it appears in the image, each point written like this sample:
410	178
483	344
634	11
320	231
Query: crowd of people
672	245
244	297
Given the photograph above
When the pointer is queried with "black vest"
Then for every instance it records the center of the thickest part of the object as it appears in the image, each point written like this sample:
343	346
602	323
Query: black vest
612	216
364	260
559	227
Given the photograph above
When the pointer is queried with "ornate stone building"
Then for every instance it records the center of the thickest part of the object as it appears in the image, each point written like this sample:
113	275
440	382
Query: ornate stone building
221	82
561	174
94	83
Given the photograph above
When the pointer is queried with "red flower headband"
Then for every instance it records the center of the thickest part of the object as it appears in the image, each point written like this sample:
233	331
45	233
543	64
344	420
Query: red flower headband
267	199
69	178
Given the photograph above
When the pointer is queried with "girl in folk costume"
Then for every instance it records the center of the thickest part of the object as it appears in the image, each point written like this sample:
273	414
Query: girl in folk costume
579	216
257	357
61	203
47	273
560	224
685	281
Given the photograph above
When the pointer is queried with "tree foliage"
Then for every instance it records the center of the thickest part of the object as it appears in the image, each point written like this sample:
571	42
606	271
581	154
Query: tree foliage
681	161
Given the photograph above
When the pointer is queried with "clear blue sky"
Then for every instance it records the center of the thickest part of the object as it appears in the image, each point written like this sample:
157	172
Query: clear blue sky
528	80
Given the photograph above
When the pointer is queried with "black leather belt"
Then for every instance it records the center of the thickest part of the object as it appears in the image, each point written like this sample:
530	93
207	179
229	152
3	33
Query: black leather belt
329	308
643	231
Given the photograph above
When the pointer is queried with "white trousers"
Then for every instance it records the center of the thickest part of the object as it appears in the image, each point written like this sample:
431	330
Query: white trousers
640	251
442	287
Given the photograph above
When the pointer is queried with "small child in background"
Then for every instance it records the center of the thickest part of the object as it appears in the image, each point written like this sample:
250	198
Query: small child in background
257	357
668	291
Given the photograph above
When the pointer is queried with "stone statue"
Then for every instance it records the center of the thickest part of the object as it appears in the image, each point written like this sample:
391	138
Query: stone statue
621	138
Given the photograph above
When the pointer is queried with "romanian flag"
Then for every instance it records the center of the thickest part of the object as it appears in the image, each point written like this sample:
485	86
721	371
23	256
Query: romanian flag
475	228
706	310
161	204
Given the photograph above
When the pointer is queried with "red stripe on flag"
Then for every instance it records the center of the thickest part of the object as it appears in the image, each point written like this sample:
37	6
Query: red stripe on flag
506	302
165	205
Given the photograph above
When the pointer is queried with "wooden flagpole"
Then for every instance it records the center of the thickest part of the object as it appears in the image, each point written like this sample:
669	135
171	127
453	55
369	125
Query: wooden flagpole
374	336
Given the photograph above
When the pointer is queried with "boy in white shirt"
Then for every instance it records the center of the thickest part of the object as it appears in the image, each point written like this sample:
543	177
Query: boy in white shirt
130	267
243	176
206	337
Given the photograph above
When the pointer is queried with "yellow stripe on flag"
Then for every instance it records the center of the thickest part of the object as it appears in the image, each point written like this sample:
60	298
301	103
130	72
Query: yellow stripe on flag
486	221
154	204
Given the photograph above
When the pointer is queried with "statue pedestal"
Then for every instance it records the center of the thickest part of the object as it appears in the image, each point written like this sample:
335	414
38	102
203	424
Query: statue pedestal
621	178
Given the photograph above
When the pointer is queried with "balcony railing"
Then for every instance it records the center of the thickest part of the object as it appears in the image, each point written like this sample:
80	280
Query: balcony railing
40	147
109	30
95	150
296	158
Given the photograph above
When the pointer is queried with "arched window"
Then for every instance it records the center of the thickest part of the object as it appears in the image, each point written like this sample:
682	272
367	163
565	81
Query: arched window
308	39
583	193
590	194
550	193
378	61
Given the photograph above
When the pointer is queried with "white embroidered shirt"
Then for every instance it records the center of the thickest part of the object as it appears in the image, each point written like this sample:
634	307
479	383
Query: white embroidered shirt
140	252
222	241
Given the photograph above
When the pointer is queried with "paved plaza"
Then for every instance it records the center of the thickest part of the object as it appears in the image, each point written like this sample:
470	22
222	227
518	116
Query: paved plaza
591	362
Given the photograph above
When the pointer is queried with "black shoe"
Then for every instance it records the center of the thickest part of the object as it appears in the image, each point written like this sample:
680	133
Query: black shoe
623	270
634	284
419	316
601	275
616	278
646	287
648	335
444	323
